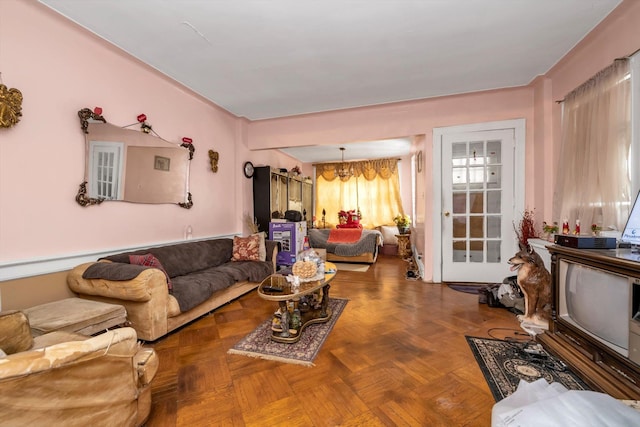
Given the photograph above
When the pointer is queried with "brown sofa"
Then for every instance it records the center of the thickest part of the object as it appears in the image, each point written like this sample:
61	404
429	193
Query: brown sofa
202	277
67	379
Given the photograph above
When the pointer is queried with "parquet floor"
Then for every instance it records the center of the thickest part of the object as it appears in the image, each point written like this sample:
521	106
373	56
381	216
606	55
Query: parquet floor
397	356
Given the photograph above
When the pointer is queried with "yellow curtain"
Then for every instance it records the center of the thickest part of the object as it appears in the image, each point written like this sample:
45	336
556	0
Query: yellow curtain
374	189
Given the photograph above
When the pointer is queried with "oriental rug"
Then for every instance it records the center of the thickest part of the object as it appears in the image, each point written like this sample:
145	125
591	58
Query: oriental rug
259	344
505	363
467	288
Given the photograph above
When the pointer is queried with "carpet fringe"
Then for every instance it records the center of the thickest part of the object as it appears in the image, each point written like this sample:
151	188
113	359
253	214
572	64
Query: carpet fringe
270	357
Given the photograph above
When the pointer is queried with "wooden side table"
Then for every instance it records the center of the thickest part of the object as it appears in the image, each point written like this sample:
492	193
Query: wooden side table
404	248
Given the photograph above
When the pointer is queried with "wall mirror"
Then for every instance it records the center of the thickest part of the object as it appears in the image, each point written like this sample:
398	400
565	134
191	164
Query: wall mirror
132	165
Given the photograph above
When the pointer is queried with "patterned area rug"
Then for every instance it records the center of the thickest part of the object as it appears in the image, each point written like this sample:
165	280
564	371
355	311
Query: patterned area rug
505	363
467	288
259	344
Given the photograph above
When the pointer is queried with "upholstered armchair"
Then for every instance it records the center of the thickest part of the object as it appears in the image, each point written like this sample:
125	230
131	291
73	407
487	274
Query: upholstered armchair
68	379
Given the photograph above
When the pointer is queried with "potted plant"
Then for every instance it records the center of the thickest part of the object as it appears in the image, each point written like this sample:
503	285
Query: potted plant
550	230
402	222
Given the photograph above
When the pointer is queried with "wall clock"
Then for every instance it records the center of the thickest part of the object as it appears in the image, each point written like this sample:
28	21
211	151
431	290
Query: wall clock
248	169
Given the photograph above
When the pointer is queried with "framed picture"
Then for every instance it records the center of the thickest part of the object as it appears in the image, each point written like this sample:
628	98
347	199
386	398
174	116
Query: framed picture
161	163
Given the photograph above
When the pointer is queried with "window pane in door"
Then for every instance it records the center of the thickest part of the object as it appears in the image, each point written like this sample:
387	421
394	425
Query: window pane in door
494	176
459	178
493	226
476	254
476	202
476	177
476	153
459	251
459	227
493	152
476	227
493	201
493	251
459	203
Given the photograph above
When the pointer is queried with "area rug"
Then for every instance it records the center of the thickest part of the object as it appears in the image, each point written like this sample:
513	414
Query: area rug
467	288
259	344
345	266
504	364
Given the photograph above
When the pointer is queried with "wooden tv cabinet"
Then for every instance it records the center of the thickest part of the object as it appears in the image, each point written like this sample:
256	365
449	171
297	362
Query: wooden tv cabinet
596	364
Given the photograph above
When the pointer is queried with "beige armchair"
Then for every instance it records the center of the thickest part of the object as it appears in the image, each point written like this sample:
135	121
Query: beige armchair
68	379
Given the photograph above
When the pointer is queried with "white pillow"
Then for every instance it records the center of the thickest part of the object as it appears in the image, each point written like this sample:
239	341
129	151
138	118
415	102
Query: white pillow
389	234
262	250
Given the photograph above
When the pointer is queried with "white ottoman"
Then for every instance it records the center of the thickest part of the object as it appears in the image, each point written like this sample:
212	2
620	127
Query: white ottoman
76	315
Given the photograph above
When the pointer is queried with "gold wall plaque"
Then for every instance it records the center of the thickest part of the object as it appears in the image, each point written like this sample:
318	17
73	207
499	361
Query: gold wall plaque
10	106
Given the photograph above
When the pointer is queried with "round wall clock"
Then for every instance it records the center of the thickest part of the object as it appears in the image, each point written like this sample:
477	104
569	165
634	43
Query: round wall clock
248	169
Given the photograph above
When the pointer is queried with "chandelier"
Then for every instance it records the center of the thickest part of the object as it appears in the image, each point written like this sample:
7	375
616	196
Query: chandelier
344	170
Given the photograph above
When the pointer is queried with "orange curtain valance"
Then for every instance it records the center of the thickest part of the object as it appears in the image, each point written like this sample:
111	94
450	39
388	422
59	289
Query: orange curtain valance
368	169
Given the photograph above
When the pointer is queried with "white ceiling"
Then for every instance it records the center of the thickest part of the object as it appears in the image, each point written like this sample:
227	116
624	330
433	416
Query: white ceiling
265	59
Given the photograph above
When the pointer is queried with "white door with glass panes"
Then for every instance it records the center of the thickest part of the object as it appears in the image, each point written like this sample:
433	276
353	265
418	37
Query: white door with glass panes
105	169
479	202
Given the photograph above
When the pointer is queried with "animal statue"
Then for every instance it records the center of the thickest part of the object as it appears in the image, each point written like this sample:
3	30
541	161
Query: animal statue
535	282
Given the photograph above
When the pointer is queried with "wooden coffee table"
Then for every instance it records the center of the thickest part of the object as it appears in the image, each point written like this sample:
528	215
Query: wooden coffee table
297	309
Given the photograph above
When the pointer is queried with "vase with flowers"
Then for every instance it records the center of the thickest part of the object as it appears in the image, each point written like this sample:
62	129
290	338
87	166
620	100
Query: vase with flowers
550	230
402	222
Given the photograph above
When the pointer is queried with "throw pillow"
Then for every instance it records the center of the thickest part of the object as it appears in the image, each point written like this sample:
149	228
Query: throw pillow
150	261
15	333
263	246
246	248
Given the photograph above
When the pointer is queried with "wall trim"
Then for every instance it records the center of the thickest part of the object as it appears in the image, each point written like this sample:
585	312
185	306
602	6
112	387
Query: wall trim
37	266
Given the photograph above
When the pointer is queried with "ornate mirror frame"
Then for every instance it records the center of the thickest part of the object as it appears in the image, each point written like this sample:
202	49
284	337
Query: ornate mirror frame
135	166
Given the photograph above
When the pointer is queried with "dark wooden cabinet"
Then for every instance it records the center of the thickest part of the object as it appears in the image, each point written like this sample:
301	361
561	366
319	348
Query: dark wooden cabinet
276	192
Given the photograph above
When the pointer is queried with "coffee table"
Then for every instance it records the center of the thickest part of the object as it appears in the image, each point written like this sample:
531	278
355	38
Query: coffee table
297	308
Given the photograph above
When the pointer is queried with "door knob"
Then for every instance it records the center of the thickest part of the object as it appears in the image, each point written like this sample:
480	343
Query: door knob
446	213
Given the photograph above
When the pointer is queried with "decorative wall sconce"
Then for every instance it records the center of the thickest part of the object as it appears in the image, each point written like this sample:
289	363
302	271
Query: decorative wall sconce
10	106
144	126
213	158
419	161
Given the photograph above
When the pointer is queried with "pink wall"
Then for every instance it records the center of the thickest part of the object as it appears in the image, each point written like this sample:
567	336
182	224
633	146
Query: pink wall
61	68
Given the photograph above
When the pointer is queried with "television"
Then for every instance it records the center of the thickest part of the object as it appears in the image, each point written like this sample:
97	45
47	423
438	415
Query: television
631	233
597	302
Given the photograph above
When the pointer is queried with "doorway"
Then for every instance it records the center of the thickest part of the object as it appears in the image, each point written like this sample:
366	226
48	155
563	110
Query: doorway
478	194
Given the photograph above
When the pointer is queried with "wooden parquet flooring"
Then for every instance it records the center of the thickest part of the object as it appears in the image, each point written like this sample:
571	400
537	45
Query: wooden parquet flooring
397	356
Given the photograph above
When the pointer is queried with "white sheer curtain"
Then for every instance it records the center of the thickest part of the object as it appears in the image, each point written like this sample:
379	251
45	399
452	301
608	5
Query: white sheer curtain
593	178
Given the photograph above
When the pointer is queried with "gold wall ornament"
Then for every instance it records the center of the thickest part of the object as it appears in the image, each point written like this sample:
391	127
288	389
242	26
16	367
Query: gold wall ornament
213	159
85	114
188	204
83	199
10	106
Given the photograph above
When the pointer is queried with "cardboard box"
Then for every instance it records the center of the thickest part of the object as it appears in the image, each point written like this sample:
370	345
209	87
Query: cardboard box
291	237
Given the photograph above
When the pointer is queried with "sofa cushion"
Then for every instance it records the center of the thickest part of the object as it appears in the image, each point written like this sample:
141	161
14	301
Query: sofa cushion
148	260
15	332
253	271
113	271
183	258
195	288
246	248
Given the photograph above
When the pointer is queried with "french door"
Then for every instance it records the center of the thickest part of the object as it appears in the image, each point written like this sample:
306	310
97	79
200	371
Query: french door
478	197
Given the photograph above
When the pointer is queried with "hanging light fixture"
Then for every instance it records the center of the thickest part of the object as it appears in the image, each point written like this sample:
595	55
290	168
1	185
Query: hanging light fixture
345	170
